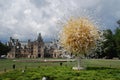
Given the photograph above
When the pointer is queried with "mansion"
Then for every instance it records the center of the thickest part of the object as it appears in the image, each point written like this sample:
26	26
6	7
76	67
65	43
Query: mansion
33	49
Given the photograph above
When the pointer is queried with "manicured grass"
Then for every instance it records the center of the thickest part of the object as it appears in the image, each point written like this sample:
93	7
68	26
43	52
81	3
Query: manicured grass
102	63
96	69
8	63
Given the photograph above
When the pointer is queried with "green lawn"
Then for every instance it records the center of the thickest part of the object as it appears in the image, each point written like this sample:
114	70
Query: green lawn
8	63
102	63
96	69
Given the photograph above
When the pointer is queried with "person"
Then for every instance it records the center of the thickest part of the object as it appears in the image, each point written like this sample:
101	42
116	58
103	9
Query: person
13	66
61	64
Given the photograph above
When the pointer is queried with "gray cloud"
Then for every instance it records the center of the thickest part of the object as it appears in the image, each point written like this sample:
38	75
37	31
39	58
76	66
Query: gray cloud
24	19
39	3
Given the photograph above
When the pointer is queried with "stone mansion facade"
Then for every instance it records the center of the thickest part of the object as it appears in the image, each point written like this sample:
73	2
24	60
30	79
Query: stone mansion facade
33	49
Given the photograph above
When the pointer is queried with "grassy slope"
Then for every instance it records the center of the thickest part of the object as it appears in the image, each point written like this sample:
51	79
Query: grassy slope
96	70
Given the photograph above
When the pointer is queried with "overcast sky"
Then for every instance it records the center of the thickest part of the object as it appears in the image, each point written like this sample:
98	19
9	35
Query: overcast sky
24	19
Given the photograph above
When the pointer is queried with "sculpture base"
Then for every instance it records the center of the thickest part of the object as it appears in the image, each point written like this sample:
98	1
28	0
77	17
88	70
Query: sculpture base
76	68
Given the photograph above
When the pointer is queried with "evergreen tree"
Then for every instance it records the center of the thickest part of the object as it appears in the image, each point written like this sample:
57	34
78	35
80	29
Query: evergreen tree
4	49
117	39
109	45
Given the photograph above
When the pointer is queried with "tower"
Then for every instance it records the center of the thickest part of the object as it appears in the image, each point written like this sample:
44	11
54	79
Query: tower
39	39
40	45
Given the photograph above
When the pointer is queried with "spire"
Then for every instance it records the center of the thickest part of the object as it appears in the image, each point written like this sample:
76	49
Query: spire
39	39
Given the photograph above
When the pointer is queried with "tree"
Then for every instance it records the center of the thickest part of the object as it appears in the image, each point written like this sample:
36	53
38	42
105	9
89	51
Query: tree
3	49
109	44
118	22
117	41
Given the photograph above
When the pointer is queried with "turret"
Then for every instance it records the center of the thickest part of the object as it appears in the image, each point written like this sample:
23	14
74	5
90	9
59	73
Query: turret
29	41
39	39
10	39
